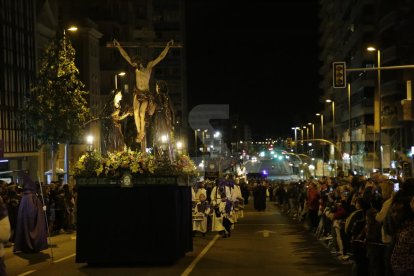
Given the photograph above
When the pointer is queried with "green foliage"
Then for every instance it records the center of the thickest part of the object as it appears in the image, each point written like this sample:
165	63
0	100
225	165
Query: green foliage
56	108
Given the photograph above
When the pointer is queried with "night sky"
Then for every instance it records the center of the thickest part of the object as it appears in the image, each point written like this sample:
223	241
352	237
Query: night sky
259	56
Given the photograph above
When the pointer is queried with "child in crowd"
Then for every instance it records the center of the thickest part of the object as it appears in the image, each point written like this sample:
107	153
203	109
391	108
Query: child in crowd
201	212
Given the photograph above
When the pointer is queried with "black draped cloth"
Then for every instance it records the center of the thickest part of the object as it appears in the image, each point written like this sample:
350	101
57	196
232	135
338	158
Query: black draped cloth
31	230
139	225
259	195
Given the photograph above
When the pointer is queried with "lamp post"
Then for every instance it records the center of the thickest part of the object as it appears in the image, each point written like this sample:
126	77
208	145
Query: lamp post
307	137
333	116
180	147
66	160
313	130
296	138
333	130
321	115
217	135
204	147
323	148
121	74
350	125
89	143
313	135
378	96
195	142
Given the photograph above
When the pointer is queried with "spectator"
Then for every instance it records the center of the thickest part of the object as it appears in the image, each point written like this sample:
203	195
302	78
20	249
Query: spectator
4	234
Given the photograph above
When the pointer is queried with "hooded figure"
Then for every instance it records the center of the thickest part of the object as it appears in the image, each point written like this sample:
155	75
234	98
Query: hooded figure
31	230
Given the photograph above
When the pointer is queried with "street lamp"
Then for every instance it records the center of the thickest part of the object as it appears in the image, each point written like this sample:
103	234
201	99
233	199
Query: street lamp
307	132
203	133
66	158
378	97
296	138
333	116
307	138
323	146
89	142
195	141
321	115
121	74
72	28
217	135
179	146
313	130
203	137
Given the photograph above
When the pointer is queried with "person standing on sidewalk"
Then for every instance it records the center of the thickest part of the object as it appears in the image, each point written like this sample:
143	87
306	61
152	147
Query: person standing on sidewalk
5	231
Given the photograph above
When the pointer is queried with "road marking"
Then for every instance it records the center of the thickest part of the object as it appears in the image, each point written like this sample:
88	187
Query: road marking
65	258
190	268
73	237
266	233
27	273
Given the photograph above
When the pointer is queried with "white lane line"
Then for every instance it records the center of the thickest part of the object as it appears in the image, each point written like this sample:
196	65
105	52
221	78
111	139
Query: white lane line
190	268
27	273
65	258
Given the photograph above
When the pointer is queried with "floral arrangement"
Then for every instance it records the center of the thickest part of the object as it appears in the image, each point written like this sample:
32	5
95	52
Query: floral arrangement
94	165
183	164
115	163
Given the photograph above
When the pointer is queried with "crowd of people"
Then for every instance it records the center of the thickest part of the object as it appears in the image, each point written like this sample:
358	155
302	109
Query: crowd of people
366	221
56	201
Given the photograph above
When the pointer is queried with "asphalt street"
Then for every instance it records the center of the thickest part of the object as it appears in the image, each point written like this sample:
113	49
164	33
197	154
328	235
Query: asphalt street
269	243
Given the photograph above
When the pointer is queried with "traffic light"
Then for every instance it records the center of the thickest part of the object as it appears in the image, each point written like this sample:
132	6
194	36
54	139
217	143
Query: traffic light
339	74
289	143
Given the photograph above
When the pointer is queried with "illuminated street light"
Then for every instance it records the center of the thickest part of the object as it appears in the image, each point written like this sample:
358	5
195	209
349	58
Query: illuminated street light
121	74
373	49
89	142
179	145
72	28
164	138
333	115
321	115
323	146
66	157
296	138
313	130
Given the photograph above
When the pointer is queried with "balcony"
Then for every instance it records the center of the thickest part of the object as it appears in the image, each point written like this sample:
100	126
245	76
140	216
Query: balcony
388	21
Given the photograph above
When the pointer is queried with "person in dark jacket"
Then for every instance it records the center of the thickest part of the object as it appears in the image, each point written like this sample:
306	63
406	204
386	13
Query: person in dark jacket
31	230
259	195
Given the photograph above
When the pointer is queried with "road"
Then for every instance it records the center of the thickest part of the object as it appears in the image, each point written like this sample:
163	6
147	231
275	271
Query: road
266	242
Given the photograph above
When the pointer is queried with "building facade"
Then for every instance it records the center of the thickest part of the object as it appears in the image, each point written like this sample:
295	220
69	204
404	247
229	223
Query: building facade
18	69
142	26
377	132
